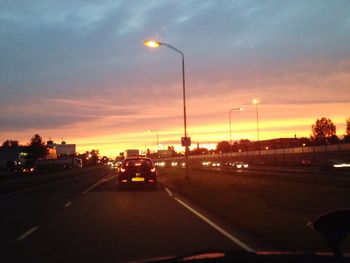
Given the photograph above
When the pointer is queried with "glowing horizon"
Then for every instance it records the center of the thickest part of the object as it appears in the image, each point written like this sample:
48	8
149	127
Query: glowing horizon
206	135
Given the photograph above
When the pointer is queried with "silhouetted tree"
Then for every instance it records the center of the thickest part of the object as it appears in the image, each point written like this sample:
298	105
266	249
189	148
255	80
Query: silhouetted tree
244	144
93	157
347	135
333	139
199	151
9	144
223	147
104	160
244	141
36	148
323	130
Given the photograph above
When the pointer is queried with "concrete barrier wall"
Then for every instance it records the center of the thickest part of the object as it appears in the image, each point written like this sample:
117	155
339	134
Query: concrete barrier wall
312	152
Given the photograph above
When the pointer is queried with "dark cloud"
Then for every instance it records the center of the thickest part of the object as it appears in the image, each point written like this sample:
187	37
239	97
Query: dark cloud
8	123
83	50
61	45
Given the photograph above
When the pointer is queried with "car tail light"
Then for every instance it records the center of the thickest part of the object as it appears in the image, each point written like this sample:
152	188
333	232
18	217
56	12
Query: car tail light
151	180
124	181
122	170
153	169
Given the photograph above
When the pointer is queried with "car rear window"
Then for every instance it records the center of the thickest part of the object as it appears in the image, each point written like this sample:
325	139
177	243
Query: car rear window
143	163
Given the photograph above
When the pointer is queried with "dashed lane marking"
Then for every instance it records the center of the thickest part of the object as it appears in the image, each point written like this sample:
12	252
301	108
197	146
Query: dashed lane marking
27	233
168	191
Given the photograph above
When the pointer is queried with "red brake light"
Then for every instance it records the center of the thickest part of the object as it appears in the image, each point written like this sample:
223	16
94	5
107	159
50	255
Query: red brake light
122	170
153	169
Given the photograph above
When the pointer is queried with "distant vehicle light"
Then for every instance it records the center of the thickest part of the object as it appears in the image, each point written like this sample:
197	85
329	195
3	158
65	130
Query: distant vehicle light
245	165
153	169
341	165
160	164
122	170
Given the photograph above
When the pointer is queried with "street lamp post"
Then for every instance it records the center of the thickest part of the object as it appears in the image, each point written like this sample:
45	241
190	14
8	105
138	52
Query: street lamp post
155	44
256	102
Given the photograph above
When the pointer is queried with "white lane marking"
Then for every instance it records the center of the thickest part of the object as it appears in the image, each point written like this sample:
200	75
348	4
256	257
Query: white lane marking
168	191
103	180
27	233
93	186
222	231
68	204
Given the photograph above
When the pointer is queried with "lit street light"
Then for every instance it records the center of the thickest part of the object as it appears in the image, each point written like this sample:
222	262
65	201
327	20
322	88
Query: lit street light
185	140
256	102
157	134
152	43
229	113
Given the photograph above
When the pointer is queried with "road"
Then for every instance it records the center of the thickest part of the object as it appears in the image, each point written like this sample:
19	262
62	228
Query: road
87	219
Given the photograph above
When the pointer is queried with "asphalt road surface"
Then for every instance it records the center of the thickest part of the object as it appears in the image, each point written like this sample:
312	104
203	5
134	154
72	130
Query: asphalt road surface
87	219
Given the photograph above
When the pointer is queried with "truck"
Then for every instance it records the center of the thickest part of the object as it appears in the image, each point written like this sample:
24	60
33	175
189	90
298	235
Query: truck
131	153
57	164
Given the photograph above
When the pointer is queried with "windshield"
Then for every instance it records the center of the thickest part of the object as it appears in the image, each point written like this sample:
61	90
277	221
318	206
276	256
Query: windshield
135	130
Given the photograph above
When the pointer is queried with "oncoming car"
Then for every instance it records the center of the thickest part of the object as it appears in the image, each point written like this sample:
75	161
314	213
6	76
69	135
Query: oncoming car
138	171
240	165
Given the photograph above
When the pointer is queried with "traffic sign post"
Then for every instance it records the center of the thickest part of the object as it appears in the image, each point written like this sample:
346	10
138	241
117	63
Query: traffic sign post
186	141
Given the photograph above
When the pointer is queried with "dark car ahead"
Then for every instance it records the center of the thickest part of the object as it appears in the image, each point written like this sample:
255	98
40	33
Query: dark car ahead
138	171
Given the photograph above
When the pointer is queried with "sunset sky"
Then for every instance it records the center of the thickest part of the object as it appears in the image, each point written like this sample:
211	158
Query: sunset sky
79	71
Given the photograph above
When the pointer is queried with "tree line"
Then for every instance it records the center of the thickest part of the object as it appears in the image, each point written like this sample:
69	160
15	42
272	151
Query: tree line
323	132
35	149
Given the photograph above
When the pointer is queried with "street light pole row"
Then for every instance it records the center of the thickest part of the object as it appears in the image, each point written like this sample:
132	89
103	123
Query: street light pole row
255	102
155	44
